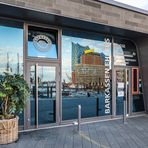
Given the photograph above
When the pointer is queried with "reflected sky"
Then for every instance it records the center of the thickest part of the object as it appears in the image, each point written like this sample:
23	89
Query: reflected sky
11	38
33	52
46	73
119	58
11	49
98	46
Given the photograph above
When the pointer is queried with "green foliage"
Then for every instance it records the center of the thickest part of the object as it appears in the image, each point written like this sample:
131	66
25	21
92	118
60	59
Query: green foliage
14	92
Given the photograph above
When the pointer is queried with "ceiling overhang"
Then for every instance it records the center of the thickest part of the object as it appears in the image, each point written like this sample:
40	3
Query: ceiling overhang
28	15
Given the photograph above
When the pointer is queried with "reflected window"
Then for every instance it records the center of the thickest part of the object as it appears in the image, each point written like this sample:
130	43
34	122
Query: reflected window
42	43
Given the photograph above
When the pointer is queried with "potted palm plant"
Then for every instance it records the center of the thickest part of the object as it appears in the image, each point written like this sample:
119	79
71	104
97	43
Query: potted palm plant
14	92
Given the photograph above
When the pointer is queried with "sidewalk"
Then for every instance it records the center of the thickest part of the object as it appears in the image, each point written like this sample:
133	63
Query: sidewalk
109	134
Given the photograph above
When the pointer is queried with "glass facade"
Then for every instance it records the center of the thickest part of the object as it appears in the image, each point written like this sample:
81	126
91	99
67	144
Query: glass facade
120	95
11	54
125	54
46	87
86	75
43	47
138	104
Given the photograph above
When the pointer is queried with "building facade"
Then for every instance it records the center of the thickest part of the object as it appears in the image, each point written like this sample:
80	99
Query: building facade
91	53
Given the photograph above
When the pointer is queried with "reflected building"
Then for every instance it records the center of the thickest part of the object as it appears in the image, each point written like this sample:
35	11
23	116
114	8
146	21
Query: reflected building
77	51
90	72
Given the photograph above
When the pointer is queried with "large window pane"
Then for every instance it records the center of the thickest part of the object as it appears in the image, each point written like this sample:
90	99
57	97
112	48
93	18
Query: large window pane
86	75
125	54
138	102
11	50
11	54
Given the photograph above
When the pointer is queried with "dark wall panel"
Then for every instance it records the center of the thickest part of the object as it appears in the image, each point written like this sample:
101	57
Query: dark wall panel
142	44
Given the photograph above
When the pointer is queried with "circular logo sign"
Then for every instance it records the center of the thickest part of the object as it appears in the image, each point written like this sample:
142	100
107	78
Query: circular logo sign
42	42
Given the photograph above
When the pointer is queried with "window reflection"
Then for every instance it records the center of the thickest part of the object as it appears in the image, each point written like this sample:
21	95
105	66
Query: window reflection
138	102
46	94
86	76
42	43
11	54
125	54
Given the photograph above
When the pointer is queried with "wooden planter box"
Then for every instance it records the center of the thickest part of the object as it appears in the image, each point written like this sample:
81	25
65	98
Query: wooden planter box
8	130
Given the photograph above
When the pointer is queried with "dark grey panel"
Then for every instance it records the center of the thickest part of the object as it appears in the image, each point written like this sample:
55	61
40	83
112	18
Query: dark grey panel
142	44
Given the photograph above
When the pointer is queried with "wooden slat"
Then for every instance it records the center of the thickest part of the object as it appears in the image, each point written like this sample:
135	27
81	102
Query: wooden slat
110	134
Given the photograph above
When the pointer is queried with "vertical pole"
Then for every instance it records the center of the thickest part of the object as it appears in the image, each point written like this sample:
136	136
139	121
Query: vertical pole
26	74
125	97
79	118
48	90
97	106
36	98
18	64
8	65
124	115
54	109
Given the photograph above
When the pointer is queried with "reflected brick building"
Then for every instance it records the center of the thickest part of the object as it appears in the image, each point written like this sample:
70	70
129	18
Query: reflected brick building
90	71
92	59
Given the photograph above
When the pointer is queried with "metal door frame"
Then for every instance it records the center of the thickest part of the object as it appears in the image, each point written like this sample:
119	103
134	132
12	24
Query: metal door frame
44	62
129	96
28	113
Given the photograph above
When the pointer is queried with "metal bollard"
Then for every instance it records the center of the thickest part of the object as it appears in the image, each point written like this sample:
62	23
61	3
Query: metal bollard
125	98
79	118
124	110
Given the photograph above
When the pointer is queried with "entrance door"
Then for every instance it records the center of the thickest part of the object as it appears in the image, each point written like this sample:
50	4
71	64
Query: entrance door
123	90
43	88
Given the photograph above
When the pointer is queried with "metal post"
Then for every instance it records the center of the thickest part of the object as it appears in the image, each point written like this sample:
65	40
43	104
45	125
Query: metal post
36	96
124	114
79	118
97	106
125	97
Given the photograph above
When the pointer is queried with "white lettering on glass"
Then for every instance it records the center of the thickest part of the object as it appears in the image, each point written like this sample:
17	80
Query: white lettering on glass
107	85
